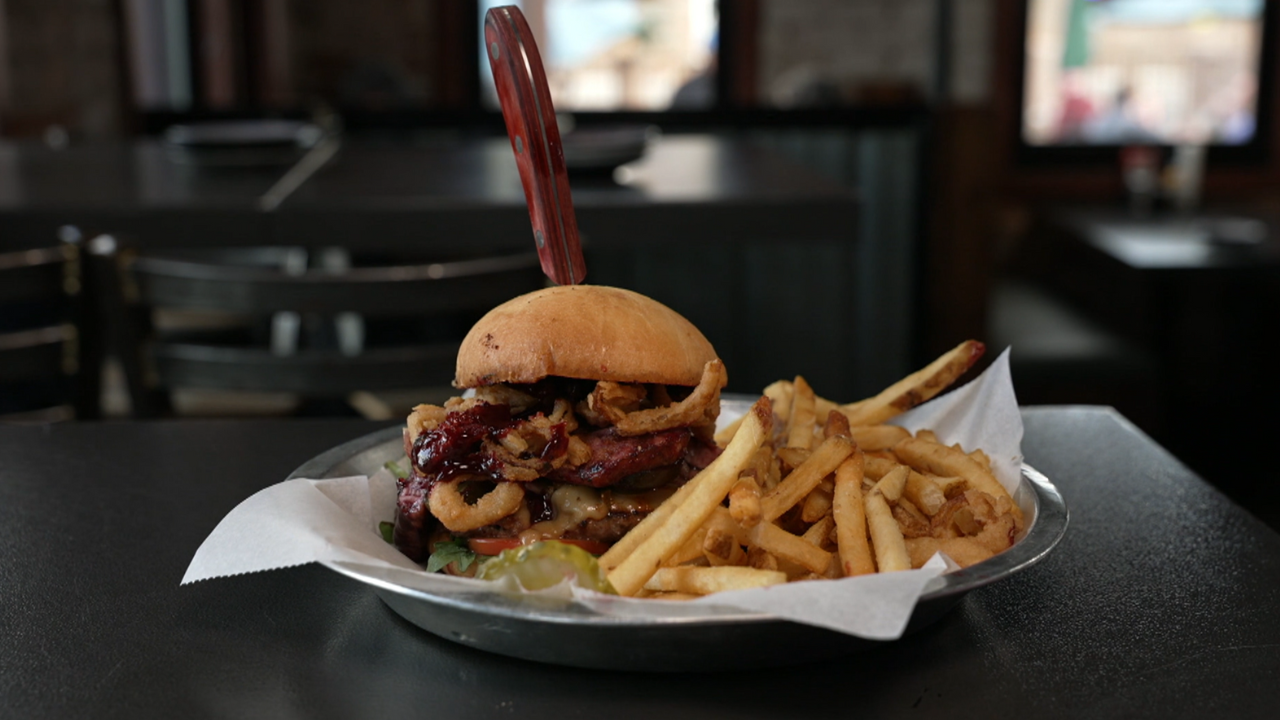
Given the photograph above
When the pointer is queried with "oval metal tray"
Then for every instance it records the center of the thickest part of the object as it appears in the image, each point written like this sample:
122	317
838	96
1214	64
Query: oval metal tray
695	637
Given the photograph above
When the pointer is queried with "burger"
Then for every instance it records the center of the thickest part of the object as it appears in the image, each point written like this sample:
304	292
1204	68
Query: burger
586	407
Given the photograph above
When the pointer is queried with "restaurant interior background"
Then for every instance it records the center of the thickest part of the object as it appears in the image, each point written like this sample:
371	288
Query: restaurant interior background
1091	183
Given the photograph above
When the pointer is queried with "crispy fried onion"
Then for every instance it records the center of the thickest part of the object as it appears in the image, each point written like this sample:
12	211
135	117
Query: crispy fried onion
459	404
700	408
523	451
519	402
610	402
976	515
911	521
453	510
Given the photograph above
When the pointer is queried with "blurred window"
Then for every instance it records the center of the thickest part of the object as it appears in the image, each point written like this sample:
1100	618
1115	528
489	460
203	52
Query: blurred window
612	55
1141	71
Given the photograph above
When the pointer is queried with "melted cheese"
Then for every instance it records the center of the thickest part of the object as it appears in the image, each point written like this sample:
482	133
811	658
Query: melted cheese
573	505
641	502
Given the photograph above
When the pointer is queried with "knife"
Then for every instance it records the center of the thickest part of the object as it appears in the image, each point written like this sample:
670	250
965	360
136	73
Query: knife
535	139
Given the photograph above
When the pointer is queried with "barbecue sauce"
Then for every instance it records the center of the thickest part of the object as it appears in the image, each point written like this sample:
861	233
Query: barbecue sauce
452	449
455	447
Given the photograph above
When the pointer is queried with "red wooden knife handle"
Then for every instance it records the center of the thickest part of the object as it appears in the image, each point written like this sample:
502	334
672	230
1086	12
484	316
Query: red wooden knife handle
535	138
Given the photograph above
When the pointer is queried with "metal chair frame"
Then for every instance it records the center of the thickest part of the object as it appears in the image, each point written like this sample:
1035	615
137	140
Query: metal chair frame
154	363
61	348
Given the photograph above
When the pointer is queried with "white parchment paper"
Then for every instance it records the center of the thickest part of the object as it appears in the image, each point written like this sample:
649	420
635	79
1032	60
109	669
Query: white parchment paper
336	520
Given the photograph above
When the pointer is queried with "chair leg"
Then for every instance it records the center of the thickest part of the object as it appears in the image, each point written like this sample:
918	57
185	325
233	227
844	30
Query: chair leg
91	345
127	330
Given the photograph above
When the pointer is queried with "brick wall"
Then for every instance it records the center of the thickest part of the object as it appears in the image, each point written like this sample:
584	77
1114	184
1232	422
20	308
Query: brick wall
60	65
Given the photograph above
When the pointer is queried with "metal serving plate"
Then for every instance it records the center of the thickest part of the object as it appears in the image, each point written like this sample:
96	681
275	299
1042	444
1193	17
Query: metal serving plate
697	637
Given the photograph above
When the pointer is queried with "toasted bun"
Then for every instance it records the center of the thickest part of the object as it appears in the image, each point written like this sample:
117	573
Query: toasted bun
590	332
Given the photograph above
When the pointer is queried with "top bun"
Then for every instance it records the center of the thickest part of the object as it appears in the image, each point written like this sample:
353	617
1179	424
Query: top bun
590	332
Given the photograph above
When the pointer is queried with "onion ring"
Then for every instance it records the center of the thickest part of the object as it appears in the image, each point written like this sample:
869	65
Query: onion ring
455	513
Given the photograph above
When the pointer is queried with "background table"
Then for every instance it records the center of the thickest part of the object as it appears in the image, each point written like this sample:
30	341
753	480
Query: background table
424	194
1160	601
1199	294
691	189
140	189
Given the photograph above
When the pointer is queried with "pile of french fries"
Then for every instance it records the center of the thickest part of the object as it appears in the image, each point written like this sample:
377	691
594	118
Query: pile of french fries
806	488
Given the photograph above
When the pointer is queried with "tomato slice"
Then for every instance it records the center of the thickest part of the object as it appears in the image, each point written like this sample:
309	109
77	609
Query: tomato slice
493	546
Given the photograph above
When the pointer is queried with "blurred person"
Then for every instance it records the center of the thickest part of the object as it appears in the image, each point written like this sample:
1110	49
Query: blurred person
1076	109
1118	124
1240	118
699	91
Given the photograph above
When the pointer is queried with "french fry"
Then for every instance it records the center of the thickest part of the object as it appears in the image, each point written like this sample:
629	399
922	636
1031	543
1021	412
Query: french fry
761	559
763	467
917	387
850	517
779	394
690	550
877	466
784	545
718	523
638	534
817	504
744	501
668	595
886	538
837	424
878	437
939	459
722	548
818	532
707	580
772	472
892	484
737	558
803	416
721	520
792	457
923	493
964	551
725	434
711	485
981	458
806	477
867	496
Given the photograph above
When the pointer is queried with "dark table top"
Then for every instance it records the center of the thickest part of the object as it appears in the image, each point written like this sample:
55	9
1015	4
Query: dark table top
687	188
137	187
1204	242
1163	600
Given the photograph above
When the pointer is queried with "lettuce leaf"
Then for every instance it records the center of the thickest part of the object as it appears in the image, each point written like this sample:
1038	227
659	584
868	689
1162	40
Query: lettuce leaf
451	551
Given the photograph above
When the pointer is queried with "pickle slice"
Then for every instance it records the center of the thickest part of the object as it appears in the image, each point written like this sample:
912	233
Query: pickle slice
546	564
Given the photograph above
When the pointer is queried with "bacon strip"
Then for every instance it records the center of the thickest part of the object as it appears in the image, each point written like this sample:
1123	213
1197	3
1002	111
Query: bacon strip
614	456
